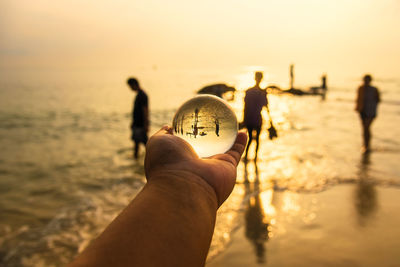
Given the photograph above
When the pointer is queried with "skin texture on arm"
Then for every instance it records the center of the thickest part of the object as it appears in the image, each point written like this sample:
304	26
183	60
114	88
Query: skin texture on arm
171	221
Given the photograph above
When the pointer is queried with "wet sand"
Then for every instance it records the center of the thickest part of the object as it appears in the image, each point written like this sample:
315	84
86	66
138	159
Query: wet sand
346	225
312	198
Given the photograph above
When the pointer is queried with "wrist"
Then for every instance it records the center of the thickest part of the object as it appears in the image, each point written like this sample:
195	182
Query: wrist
184	186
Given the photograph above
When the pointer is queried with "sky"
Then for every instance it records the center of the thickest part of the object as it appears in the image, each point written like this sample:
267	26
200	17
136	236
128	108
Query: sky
318	35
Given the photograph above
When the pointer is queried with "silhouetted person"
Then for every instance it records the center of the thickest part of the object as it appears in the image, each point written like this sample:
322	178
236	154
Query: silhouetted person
291	76
216	127
140	116
324	87
366	104
183	117
196	120
323	81
254	101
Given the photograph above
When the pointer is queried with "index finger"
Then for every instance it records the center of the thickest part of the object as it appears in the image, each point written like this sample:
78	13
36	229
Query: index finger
238	147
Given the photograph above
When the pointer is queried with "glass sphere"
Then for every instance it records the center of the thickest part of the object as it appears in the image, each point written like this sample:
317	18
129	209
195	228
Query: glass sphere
207	123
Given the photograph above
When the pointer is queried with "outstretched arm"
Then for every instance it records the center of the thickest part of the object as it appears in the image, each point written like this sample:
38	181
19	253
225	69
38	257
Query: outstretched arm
171	221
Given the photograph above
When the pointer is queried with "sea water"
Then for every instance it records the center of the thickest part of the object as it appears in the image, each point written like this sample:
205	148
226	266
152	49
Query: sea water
66	167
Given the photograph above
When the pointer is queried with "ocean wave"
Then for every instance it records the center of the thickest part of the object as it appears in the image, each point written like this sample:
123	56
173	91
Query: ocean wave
69	232
85	121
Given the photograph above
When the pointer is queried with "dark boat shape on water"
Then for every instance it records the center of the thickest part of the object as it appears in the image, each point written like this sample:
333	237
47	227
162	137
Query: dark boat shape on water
216	89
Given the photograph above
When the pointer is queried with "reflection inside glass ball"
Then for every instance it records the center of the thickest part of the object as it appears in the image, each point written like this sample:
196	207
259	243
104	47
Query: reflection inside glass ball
207	123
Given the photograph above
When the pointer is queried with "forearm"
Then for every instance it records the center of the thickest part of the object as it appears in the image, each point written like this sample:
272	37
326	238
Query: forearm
169	223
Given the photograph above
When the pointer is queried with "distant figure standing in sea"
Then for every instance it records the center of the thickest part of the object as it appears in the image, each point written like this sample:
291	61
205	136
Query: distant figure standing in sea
140	116
291	70
324	86
254	101
366	104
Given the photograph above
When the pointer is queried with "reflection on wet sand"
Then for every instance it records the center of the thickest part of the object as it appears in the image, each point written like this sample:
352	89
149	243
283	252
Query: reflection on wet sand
365	195
256	223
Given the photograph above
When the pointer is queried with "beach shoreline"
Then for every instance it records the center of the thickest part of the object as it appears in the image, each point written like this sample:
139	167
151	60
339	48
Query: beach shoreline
346	225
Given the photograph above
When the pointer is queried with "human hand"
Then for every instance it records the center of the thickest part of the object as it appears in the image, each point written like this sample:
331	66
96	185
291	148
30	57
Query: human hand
166	153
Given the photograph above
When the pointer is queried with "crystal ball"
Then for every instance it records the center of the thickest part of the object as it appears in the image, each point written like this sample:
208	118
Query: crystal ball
207	123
